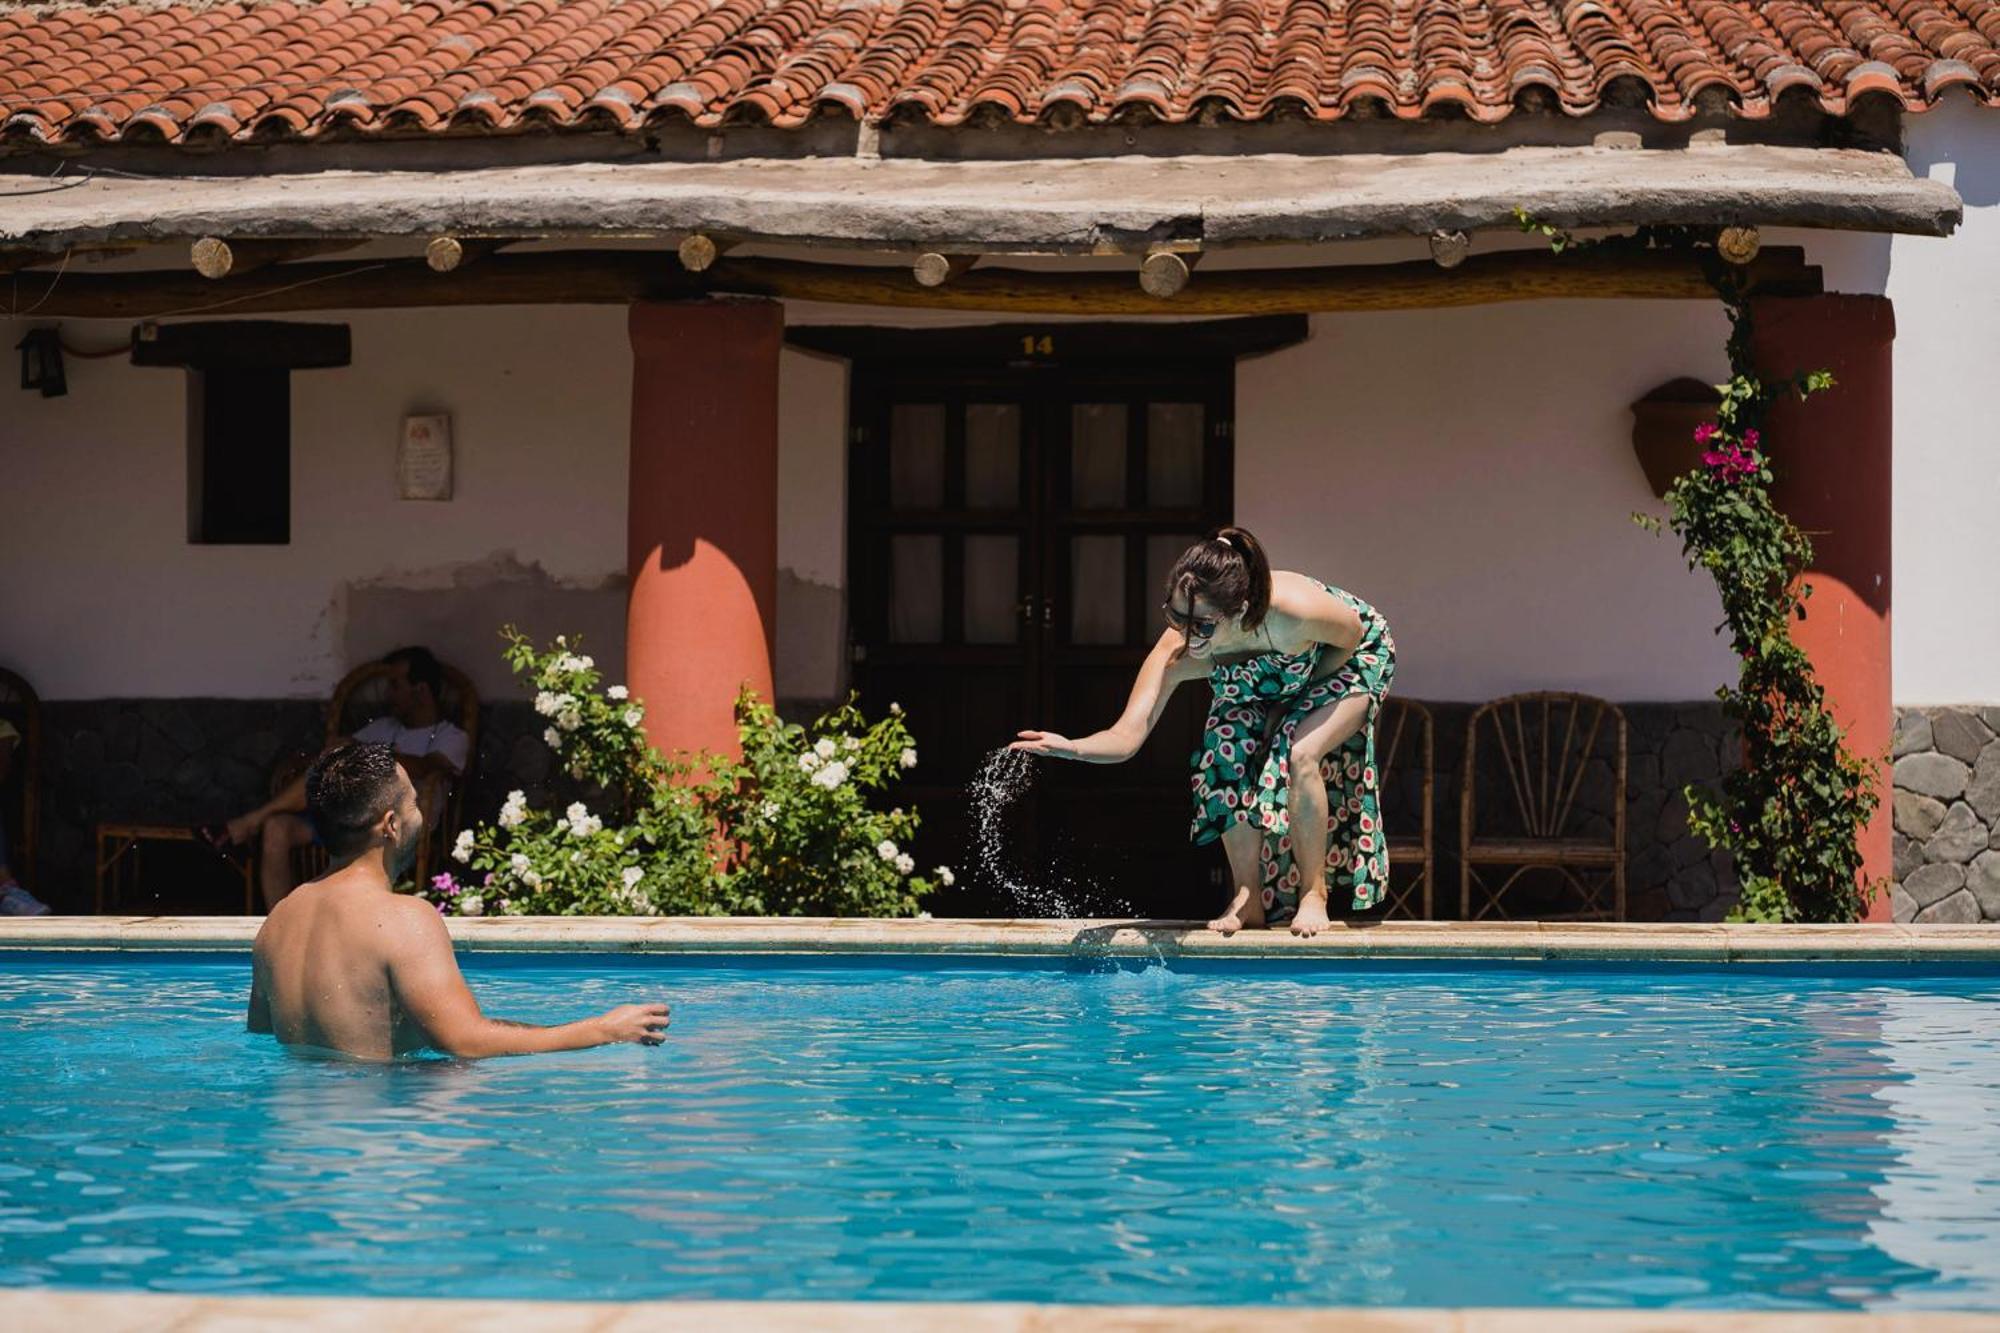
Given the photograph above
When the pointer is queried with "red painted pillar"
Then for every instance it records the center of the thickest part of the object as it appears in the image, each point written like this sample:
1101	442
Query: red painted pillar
1832	458
702	518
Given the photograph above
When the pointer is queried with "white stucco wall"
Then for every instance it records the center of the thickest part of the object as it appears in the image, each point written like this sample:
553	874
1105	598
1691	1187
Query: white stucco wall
102	595
1946	626
1469	471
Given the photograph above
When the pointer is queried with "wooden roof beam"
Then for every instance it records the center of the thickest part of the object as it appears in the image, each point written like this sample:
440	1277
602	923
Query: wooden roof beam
622	276
215	258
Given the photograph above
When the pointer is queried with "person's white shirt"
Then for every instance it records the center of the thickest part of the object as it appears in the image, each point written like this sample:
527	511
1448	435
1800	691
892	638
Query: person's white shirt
443	738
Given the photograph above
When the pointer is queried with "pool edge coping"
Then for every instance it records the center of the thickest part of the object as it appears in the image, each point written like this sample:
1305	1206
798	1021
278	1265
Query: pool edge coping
1525	941
116	1312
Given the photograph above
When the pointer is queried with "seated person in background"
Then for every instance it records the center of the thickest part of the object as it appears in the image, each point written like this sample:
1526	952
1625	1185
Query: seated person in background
431	749
348	964
14	900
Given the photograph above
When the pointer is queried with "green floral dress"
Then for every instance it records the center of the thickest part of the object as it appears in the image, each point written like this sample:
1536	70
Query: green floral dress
1242	772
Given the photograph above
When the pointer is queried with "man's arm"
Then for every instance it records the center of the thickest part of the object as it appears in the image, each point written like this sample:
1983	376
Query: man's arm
424	975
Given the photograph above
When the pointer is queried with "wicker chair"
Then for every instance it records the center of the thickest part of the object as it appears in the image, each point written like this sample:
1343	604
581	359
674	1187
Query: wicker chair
1545	748
22	792
360	698
1405	739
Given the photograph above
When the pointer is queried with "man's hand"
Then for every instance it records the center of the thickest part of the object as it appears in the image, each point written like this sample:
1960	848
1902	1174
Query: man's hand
644	1024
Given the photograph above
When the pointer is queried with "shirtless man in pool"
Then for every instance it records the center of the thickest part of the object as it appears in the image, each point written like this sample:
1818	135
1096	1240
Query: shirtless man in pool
347	964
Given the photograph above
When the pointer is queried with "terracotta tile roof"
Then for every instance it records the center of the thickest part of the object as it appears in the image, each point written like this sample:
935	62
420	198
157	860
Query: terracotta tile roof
279	68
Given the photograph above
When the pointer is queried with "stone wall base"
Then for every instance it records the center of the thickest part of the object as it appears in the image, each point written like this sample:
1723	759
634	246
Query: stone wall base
183	761
1947	795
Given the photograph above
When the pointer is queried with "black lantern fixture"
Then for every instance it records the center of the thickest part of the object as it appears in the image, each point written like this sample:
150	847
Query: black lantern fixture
41	363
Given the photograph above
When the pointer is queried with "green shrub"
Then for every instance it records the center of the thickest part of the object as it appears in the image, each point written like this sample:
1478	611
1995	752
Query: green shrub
789	829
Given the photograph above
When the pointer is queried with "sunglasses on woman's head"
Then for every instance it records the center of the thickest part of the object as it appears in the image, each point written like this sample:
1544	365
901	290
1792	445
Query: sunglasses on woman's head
1181	620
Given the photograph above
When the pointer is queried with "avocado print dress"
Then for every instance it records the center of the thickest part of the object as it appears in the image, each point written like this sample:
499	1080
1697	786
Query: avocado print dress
1242	772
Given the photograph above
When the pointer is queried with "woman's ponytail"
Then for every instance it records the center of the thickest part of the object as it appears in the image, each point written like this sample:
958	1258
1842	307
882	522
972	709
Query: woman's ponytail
1229	569
1256	572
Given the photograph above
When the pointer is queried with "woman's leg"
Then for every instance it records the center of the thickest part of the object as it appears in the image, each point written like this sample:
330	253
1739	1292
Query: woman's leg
1246	900
1318	734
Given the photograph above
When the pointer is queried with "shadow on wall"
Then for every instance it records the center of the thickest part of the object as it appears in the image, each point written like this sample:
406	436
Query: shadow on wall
1955	143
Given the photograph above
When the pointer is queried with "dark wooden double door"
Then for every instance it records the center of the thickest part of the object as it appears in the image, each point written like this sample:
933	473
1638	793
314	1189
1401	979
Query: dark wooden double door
1011	531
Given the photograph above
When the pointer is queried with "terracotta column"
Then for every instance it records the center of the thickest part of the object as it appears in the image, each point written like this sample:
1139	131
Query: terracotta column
1832	456
702	521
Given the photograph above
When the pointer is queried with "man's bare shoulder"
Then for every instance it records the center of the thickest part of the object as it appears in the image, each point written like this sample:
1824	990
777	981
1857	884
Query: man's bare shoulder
409	922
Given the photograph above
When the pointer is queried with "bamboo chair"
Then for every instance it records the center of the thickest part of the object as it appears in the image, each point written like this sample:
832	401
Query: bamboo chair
1405	736
20	705
1546	744
360	698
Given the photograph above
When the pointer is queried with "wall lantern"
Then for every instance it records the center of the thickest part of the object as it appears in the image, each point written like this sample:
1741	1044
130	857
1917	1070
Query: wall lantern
41	363
1663	425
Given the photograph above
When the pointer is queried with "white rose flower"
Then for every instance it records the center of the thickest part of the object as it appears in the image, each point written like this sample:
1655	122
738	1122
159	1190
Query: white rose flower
905	863
945	877
908	759
570	718
850	743
515	811
886	850
532	880
632	875
585	663
770	809
519	863
470	905
576	858
633	717
832	775
824	747
617	692
553	738
546	704
895	709
461	851
808	761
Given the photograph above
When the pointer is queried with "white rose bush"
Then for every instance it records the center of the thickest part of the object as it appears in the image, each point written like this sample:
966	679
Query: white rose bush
644	849
792	828
806	836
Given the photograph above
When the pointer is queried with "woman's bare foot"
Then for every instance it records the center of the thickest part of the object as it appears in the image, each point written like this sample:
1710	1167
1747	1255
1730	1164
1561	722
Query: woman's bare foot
1245	912
1311	917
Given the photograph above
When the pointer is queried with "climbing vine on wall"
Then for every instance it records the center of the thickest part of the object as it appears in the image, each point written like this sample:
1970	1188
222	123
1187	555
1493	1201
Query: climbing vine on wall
1792	816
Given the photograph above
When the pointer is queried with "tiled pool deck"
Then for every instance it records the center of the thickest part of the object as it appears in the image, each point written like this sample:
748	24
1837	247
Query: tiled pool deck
118	1312
1526	940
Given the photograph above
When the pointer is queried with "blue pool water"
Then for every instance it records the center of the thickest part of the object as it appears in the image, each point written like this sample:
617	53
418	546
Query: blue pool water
1225	1134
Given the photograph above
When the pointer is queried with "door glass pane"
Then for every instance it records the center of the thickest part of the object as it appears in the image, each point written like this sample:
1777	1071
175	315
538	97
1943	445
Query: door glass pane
992	589
916	456
1161	552
916	589
992	455
1097	456
1097	590
1173	455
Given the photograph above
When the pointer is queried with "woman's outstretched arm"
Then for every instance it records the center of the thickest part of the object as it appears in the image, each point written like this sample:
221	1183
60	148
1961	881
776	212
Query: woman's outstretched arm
1164	669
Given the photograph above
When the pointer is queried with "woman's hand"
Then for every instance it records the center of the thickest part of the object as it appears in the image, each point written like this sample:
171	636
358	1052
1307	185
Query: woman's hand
1045	743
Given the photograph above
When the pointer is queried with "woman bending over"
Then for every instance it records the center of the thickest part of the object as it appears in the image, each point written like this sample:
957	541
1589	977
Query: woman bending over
1286	772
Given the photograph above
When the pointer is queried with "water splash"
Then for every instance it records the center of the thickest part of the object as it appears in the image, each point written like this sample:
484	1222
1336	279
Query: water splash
1050	891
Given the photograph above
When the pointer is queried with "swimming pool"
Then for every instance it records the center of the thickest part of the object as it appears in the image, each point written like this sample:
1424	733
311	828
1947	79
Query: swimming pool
1209	1132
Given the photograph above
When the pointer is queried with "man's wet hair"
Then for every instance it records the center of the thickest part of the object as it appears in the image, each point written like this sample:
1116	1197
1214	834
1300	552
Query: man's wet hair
347	790
422	667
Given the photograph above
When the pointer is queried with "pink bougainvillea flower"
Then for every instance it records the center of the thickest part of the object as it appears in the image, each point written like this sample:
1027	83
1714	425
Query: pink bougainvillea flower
1750	438
1704	432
